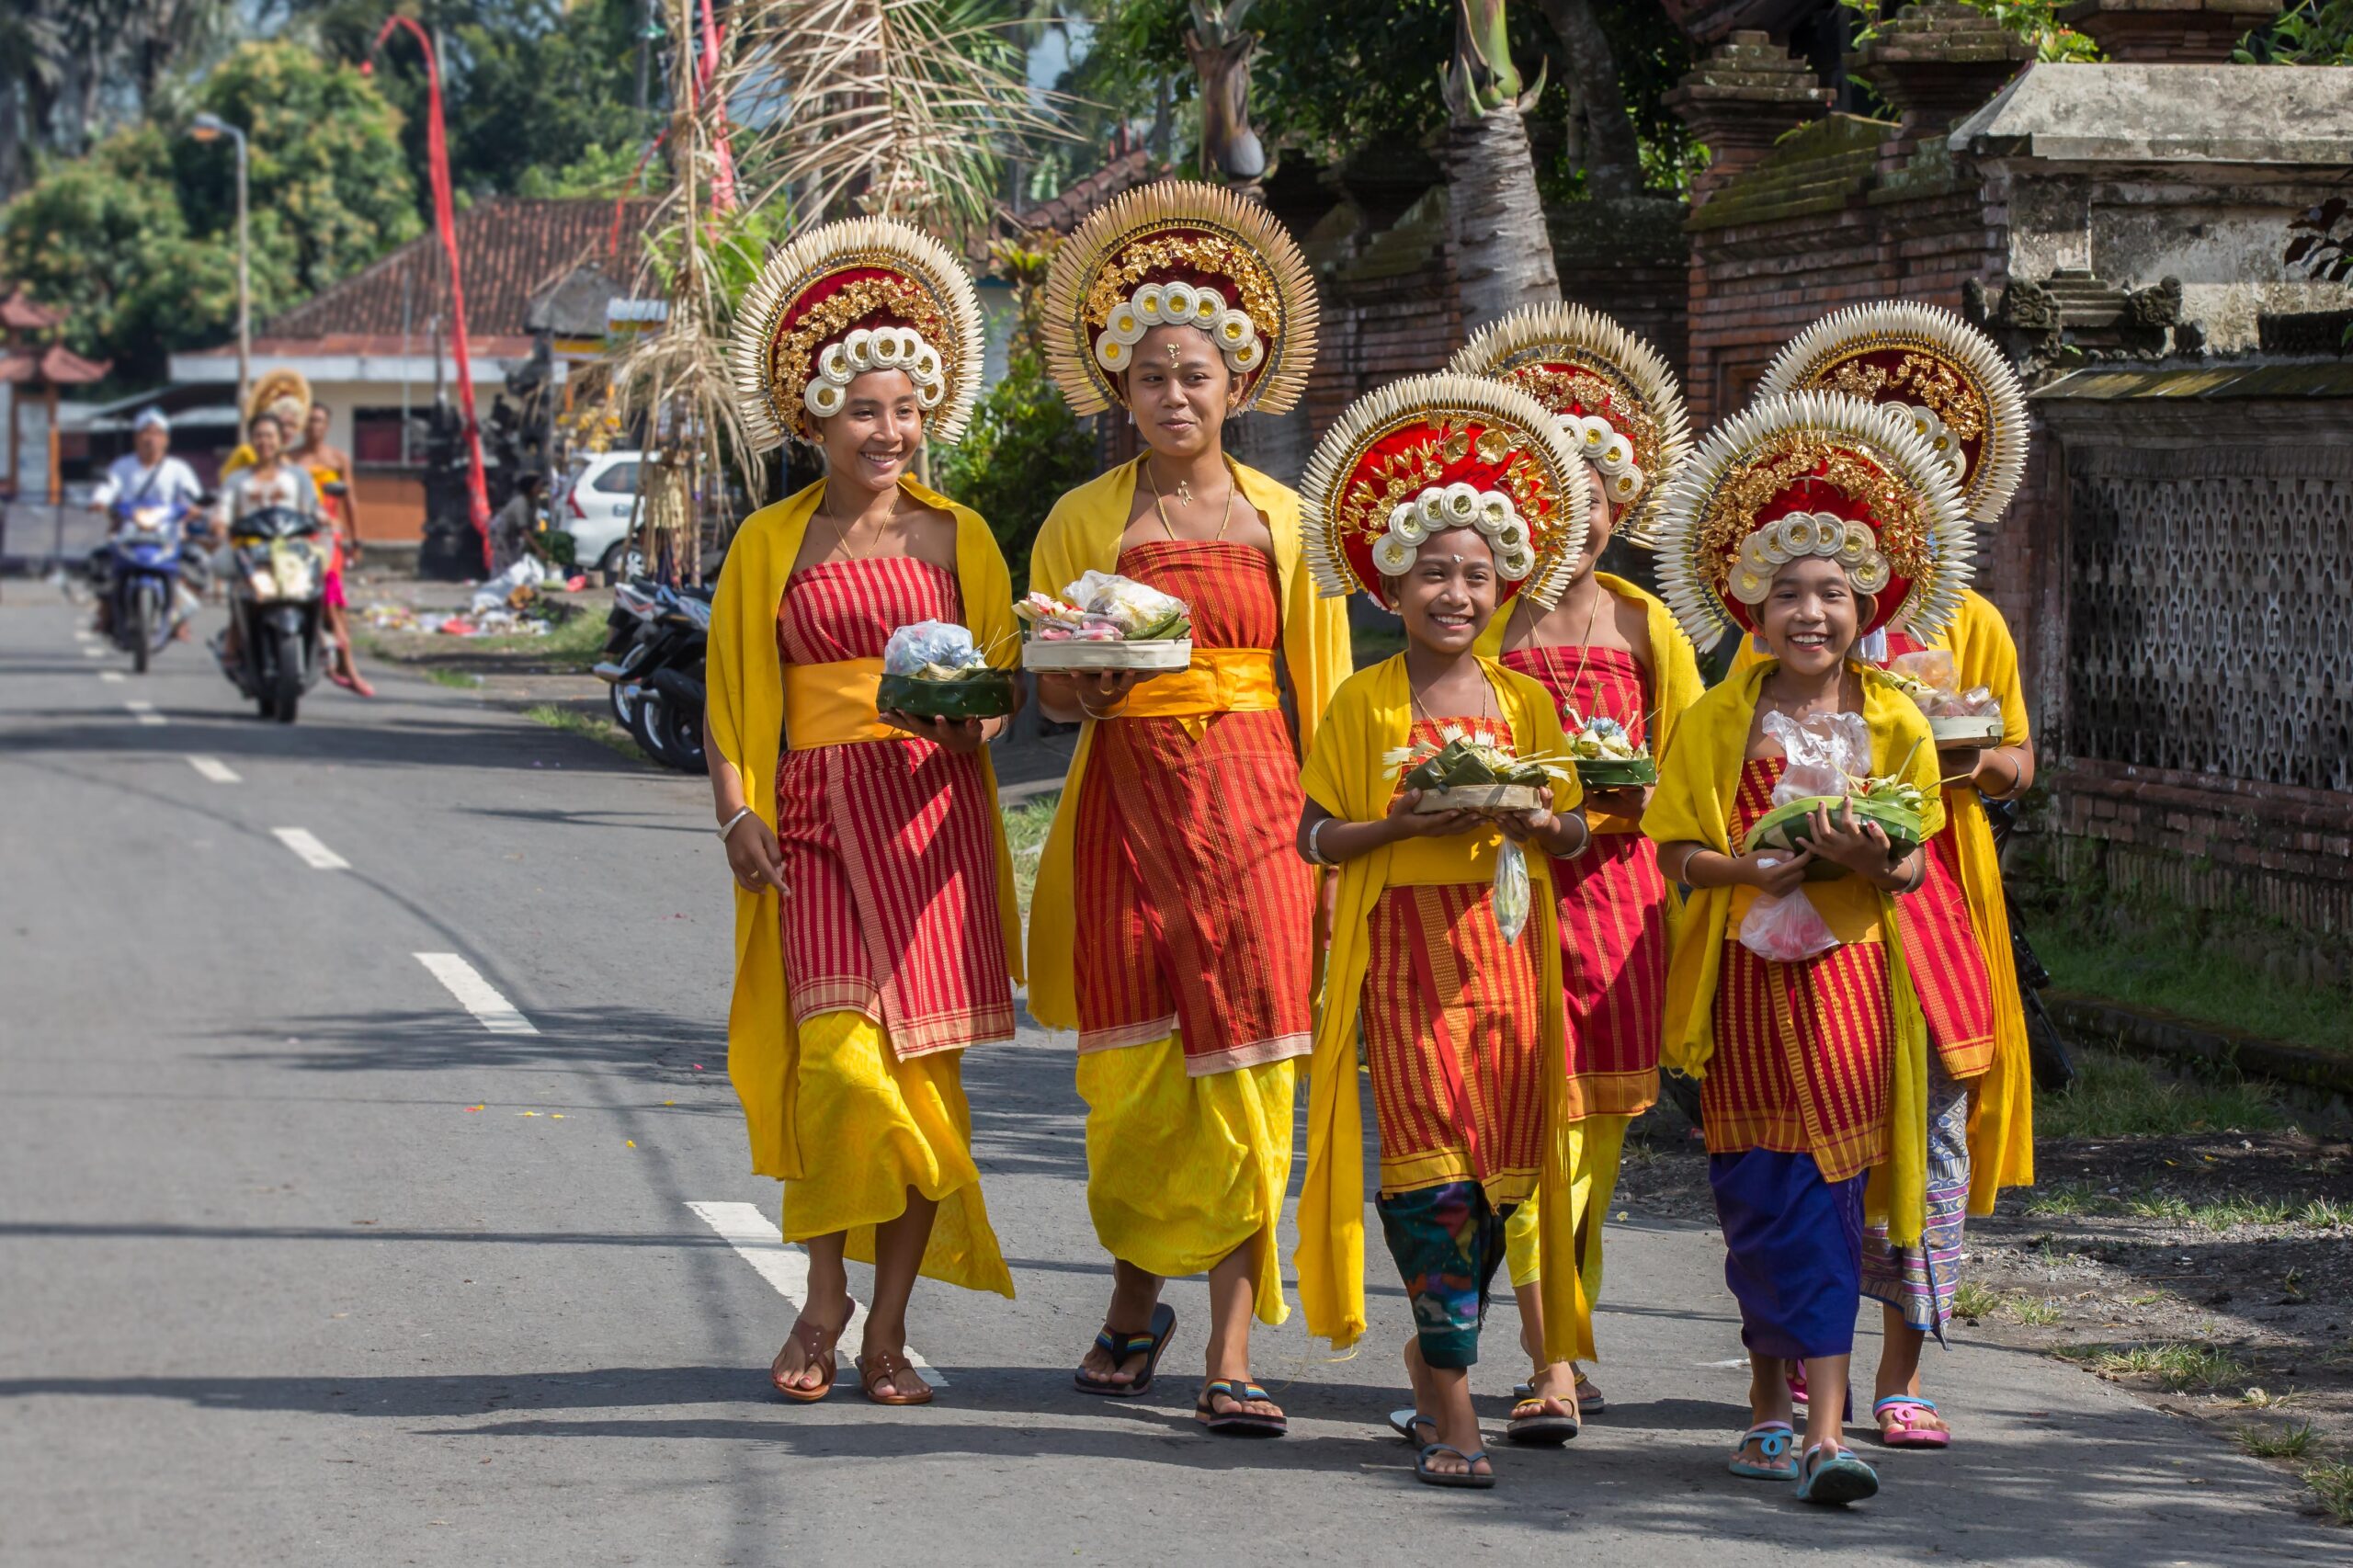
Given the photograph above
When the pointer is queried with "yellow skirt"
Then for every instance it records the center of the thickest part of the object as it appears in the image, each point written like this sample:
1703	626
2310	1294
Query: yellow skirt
875	1126
1181	1171
1596	1145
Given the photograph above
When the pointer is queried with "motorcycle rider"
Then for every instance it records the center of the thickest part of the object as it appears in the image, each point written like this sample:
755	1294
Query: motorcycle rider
148	475
271	480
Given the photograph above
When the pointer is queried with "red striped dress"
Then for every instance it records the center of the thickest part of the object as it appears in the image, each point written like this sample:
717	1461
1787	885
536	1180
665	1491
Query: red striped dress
887	846
1194	913
1612	902
1454	1033
1803	1051
1940	950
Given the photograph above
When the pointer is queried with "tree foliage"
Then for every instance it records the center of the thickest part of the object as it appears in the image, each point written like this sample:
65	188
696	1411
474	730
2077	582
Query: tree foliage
2313	32
1330	81
137	240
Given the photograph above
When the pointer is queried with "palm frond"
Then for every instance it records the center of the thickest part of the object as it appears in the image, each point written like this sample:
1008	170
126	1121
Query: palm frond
898	107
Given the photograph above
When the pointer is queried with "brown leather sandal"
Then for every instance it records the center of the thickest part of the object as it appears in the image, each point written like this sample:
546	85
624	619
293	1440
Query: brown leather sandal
817	1348
888	1367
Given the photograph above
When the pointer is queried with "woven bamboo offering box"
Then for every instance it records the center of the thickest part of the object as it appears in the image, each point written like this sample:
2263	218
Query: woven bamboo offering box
1106	622
1956	718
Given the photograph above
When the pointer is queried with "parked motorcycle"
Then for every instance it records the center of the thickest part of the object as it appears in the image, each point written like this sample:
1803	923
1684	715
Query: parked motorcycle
277	603
655	639
137	572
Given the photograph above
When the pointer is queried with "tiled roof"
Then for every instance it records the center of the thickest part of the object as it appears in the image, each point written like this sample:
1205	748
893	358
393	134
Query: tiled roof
510	249
1123	171
18	313
55	365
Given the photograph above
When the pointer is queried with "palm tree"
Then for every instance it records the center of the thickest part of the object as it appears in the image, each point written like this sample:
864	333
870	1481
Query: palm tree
1503	257
1612	160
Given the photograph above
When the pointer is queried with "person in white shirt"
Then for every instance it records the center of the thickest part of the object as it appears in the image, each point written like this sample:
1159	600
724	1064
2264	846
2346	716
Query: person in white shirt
148	472
147	475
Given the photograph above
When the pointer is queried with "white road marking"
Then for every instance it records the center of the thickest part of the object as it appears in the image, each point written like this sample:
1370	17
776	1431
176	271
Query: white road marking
112	674
212	768
83	634
475	994
316	856
143	711
94	651
758	1241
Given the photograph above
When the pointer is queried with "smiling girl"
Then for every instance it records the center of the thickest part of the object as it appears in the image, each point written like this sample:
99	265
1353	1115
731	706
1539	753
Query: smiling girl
875	928
1171	925
1605	651
1437	495
1809	521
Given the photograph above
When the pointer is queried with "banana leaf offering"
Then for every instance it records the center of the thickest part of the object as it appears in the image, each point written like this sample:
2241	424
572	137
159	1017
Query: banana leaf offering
1605	755
1893	804
933	670
1472	774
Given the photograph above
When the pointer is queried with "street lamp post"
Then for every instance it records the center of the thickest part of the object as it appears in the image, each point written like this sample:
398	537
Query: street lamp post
212	127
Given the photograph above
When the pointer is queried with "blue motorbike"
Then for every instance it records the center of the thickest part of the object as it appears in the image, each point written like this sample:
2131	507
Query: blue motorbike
140	570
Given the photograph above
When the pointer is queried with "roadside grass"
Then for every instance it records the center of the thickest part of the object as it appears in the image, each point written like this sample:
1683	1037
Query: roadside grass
2120	1096
459	679
2332	1484
603	731
2168	964
2324	1214
2062	1199
2178	1369
1977	1303
2282	1440
575	646
1025	837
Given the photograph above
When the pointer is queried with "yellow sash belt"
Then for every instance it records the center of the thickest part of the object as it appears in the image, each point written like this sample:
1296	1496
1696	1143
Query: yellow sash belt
1220	680
832	704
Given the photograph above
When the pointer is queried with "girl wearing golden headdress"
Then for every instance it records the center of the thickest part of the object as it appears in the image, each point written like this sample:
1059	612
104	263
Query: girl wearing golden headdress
1441	495
875	928
1172	926
1613	660
1965	401
1812	520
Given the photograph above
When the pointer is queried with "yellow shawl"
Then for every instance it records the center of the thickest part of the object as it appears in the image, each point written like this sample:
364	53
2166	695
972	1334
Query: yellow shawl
2001	1116
1369	717
1081	535
2001	1112
1697	779
744	711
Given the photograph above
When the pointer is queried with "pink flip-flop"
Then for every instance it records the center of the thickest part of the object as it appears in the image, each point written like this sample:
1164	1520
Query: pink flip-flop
1905	1431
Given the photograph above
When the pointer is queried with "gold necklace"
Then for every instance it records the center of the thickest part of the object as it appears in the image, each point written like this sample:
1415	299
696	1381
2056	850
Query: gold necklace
842	529
1184	496
1414	700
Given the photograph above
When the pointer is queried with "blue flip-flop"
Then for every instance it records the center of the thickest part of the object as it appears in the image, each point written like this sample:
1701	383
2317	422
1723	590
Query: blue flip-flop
1403	1422
1119	1346
1841	1478
1468	1477
1773	1439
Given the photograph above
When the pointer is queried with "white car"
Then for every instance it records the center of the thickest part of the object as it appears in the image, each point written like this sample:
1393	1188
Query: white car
597	508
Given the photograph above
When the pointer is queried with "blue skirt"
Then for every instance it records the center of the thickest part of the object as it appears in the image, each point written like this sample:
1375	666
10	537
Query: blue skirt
1793	1252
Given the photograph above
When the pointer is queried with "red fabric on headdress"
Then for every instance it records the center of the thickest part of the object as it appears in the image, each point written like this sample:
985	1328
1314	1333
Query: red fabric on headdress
824	289
1812	494
1886	360
1357	541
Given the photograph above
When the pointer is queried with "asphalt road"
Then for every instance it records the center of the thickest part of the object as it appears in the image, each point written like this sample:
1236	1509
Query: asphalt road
302	1261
